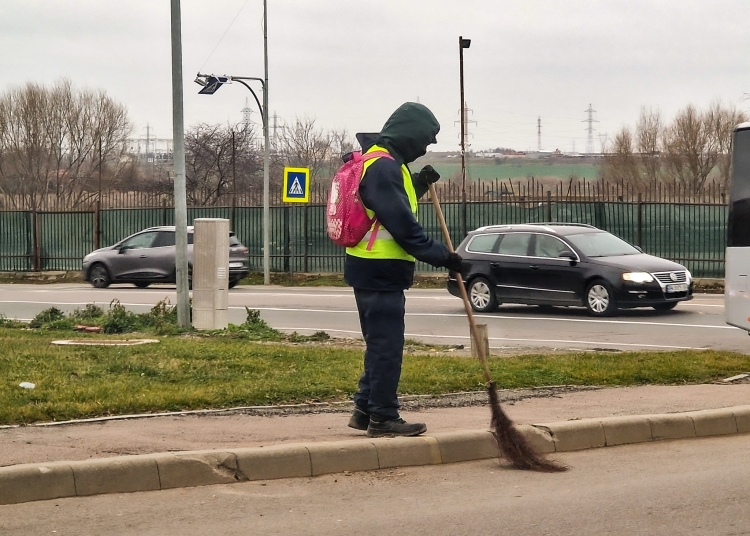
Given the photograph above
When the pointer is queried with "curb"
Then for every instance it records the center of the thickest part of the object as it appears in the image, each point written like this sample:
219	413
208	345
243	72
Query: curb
123	474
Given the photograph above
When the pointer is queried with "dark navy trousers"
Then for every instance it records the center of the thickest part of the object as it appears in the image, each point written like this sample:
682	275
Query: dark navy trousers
381	316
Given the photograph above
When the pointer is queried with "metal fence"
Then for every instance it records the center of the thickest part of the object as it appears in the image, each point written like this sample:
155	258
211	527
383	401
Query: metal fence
668	222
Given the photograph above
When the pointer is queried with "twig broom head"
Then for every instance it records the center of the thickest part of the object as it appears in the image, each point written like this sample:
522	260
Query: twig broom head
513	445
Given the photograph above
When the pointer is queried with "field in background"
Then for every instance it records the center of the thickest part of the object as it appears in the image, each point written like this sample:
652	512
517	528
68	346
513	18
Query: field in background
515	168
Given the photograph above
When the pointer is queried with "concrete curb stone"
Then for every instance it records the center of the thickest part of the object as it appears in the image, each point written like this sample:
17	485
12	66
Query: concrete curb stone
279	461
742	417
196	468
34	482
122	474
710	422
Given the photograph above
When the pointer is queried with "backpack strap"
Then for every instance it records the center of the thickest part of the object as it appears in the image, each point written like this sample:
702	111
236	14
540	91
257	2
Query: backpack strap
373	236
365	158
376	154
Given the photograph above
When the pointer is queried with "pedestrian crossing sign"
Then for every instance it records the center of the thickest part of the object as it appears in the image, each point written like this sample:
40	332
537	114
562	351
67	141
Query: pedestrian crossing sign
296	185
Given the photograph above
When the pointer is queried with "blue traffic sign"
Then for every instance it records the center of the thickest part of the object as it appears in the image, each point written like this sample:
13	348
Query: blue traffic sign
296	185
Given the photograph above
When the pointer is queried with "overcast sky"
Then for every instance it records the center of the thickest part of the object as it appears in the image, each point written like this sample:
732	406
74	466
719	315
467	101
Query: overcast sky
349	64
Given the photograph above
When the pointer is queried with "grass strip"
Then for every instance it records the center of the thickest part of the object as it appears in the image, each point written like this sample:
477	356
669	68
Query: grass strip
189	372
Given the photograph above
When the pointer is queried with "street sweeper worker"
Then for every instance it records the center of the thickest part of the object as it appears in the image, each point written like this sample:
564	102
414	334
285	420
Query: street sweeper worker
381	266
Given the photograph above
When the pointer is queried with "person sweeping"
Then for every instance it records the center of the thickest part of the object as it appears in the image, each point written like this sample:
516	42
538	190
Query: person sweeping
381	266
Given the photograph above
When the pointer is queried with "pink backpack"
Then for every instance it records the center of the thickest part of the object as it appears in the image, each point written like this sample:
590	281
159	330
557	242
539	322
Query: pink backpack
346	217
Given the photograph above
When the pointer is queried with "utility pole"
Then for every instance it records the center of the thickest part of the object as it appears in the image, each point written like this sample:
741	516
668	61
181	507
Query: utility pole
590	129
266	157
602	141
180	199
462	44
246	116
539	133
275	117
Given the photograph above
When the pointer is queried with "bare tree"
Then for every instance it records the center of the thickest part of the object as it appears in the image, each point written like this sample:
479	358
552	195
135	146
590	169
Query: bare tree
220	161
720	121
620	164
302	145
57	144
648	144
690	150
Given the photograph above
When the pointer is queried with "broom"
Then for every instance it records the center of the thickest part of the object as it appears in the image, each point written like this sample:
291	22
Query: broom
513	445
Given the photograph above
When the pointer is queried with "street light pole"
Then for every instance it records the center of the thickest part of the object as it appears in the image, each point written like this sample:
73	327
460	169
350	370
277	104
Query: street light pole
462	44
210	85
266	156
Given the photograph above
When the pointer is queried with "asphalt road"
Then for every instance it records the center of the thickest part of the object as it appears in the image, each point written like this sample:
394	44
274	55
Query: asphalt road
696	486
432	316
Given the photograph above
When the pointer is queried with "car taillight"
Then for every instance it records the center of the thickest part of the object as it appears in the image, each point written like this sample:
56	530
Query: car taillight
244	250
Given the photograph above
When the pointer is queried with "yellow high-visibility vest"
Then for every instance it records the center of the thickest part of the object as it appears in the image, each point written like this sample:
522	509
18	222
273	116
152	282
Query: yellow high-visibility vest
378	242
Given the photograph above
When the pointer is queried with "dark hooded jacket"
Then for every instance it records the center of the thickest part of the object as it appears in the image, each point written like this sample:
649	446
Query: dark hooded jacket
406	135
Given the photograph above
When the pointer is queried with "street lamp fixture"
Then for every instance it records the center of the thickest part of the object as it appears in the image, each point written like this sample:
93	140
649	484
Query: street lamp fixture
462	44
211	84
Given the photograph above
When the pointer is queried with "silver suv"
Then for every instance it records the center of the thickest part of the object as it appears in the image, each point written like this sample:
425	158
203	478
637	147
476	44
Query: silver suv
149	257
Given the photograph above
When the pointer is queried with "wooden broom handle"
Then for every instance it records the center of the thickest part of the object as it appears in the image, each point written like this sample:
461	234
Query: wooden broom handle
462	288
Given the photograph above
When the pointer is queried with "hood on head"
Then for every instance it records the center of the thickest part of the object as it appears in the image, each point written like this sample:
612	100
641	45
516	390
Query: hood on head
409	130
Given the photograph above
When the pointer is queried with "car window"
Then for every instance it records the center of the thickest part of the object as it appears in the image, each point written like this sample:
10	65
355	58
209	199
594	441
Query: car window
514	244
190	238
484	243
165	238
139	241
549	246
233	241
601	244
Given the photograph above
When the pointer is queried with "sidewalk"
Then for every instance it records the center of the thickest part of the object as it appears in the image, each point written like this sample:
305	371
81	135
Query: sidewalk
157	453
34	444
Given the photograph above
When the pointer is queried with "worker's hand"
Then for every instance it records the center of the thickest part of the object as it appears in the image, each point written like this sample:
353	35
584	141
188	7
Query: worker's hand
428	175
454	262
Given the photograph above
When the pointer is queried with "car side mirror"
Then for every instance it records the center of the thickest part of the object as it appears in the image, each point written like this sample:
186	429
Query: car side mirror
122	249
567	255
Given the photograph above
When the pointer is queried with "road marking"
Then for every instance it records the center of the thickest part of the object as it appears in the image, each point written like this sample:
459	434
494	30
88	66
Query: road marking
447	315
501	317
466	337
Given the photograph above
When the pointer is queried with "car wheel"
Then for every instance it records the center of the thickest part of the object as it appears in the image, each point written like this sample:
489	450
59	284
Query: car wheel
233	283
600	299
99	276
142	284
665	306
482	296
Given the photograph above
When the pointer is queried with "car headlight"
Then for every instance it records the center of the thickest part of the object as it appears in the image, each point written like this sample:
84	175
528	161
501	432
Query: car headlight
637	277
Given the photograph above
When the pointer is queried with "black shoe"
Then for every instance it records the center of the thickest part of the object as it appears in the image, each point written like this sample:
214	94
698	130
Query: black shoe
359	420
395	427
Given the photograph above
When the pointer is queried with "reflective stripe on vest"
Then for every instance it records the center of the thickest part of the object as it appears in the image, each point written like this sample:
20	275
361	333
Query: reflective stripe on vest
384	246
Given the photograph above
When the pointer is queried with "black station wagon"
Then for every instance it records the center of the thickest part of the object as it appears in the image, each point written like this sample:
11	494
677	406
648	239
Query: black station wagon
566	264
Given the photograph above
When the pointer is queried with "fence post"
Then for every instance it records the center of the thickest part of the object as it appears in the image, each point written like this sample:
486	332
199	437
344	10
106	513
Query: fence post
287	240
549	205
163	211
305	235
37	230
639	220
97	228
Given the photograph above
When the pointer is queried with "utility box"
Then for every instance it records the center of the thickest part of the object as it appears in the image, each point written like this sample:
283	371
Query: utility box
210	273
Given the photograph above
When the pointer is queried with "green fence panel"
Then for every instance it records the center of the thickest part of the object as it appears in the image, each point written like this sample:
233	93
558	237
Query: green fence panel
66	237
16	241
692	234
119	223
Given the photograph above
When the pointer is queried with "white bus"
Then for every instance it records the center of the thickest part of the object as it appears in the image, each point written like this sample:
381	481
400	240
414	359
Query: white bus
737	267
